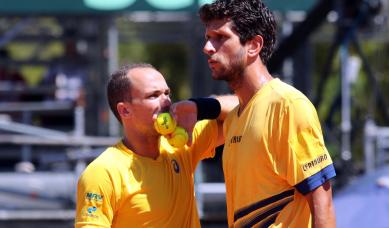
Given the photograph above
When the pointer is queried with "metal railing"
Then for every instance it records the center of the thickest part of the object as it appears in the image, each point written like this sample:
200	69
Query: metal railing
28	134
376	146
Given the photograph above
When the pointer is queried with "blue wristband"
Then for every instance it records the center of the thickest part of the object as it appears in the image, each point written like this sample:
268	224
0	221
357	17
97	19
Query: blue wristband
207	107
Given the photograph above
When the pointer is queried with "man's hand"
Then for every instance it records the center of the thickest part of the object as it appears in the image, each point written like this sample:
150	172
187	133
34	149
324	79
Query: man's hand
185	113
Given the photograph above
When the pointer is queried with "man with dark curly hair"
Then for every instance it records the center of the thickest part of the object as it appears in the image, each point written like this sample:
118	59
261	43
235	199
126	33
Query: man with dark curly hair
276	166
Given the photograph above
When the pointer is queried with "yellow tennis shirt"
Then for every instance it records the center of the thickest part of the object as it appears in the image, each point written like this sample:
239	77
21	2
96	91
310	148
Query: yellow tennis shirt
274	154
122	189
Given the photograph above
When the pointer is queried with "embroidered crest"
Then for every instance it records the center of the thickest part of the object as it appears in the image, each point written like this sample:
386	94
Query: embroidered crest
175	165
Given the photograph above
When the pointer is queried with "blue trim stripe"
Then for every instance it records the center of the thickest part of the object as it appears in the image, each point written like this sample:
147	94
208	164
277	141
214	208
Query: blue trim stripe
316	180
247	210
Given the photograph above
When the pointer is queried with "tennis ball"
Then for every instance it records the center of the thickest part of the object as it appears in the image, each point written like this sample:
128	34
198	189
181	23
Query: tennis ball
165	123
179	137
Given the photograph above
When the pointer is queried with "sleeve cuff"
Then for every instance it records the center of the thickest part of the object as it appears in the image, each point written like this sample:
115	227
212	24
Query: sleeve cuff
316	180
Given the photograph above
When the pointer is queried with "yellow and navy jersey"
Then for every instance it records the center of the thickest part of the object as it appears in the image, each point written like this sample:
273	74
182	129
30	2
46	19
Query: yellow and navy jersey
274	154
123	189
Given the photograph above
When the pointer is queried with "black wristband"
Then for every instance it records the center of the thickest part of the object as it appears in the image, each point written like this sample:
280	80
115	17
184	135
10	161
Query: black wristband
207	107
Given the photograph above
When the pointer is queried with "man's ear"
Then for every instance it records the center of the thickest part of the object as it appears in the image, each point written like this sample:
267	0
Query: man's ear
123	110
255	46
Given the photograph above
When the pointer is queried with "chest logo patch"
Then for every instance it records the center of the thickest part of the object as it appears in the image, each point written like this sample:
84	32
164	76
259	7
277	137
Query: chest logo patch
175	165
235	139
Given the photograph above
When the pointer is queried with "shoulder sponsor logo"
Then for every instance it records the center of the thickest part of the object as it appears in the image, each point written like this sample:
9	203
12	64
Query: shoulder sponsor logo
175	165
91	212
235	139
91	209
94	197
315	162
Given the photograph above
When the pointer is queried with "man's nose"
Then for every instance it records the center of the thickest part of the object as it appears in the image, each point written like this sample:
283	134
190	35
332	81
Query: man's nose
166	102
208	48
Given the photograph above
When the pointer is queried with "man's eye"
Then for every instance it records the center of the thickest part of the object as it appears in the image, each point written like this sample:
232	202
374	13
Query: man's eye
219	37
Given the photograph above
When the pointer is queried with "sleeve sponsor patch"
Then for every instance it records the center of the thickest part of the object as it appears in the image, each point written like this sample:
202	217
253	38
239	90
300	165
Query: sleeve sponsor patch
315	162
90	196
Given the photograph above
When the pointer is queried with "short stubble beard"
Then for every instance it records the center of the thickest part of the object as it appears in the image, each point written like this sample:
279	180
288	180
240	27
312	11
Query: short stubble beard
234	72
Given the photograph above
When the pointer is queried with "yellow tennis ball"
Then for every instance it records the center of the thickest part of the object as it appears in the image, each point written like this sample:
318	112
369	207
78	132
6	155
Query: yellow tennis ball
165	124
179	137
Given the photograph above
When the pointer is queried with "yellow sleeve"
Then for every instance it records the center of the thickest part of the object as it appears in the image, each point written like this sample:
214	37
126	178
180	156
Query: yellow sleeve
302	157
204	140
95	198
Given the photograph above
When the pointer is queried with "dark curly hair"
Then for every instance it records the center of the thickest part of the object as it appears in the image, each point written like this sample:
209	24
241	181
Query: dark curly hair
119	86
249	17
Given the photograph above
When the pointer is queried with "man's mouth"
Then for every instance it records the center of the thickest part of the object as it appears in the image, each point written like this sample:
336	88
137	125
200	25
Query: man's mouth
165	109
212	61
